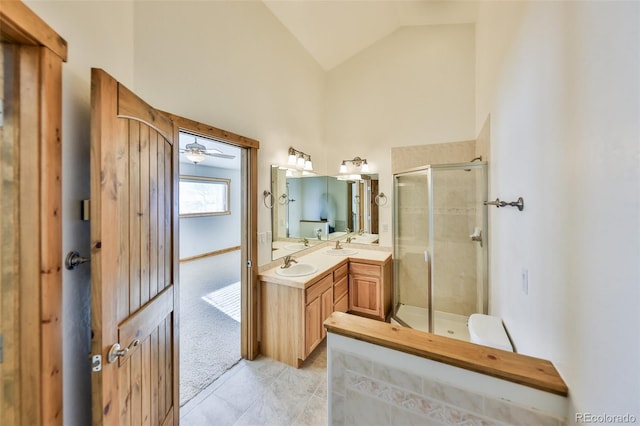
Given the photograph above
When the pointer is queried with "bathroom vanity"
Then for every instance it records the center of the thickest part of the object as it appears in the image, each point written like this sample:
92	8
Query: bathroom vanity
293	308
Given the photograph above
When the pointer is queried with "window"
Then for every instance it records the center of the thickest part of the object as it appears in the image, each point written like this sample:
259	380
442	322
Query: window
203	196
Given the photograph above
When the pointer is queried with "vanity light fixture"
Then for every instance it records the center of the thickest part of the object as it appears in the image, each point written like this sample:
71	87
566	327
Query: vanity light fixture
357	162
299	159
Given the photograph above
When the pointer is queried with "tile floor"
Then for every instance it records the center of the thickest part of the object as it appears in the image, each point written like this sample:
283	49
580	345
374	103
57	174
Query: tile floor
264	392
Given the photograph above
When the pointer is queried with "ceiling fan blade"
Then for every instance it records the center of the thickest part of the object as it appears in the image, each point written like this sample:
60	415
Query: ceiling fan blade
214	154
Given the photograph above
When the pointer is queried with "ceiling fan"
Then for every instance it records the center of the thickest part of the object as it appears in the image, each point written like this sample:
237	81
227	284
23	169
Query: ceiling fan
197	152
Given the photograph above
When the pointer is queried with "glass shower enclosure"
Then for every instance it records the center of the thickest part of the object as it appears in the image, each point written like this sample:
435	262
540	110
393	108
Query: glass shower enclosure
440	247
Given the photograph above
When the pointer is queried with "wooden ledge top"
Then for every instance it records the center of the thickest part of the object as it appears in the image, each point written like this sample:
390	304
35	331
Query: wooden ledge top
522	369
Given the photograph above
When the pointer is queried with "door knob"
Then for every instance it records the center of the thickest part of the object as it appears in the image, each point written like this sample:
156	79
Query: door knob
117	351
73	260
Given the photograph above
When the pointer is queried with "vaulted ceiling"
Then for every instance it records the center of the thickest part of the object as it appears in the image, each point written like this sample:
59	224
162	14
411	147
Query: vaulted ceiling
332	31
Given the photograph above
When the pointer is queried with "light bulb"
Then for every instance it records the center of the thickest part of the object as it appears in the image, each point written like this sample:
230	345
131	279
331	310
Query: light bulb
365	167
343	167
308	165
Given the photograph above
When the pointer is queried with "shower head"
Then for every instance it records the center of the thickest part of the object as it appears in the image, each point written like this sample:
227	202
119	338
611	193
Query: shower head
475	159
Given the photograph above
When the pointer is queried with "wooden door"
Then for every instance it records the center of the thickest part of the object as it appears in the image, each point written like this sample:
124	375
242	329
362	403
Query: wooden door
133	259
31	56
374	206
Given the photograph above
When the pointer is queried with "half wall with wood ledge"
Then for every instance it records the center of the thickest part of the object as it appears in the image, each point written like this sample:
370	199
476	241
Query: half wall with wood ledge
379	373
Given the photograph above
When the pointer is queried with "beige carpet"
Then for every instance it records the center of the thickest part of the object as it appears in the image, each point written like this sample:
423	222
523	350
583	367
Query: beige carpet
209	323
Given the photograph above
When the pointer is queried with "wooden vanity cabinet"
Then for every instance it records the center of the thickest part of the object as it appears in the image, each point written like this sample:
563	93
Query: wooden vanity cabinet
292	318
370	288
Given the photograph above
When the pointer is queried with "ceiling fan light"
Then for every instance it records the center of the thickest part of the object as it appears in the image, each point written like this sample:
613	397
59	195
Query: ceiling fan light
195	156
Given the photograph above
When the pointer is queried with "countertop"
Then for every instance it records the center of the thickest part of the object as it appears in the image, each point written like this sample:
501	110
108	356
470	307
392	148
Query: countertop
325	263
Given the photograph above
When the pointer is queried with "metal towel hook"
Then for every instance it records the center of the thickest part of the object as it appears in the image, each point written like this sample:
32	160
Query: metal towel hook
519	204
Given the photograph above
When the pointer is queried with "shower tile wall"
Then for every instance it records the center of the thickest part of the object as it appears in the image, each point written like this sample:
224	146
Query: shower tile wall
409	157
454	220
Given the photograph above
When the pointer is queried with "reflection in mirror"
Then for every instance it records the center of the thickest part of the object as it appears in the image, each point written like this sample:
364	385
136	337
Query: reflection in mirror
309	209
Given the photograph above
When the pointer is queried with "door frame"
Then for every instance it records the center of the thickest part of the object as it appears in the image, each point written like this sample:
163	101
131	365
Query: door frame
249	292
31	283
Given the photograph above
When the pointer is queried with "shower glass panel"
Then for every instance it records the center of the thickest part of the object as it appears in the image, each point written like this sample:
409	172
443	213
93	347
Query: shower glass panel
440	247
411	250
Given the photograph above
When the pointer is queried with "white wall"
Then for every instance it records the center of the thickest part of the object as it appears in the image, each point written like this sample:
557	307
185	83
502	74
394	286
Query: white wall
232	65
99	34
200	235
414	87
561	82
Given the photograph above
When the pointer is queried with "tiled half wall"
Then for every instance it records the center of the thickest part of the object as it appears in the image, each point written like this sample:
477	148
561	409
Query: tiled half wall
372	385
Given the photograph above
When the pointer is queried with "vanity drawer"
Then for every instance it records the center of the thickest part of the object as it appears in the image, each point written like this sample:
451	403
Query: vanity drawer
340	287
319	287
340	272
364	269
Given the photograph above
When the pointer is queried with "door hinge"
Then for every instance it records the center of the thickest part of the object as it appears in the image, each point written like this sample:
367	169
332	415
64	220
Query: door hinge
96	363
1	349
249	264
85	210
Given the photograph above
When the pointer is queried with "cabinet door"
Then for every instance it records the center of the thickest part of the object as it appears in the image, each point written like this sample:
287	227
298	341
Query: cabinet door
364	295
313	325
341	304
326	308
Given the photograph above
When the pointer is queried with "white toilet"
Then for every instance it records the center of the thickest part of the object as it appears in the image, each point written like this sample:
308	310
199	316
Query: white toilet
488	330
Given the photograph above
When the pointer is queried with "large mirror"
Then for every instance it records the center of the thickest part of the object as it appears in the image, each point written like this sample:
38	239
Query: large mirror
309	209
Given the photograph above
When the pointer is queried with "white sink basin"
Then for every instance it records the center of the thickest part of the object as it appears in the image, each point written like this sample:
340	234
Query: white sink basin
297	270
340	252
295	246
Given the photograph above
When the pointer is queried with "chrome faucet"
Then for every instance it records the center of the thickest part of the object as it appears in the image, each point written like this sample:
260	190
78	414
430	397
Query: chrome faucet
305	242
288	260
338	246
350	238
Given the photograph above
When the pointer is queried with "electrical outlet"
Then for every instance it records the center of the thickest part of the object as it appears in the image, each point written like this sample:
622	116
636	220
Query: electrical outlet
525	281
262	237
